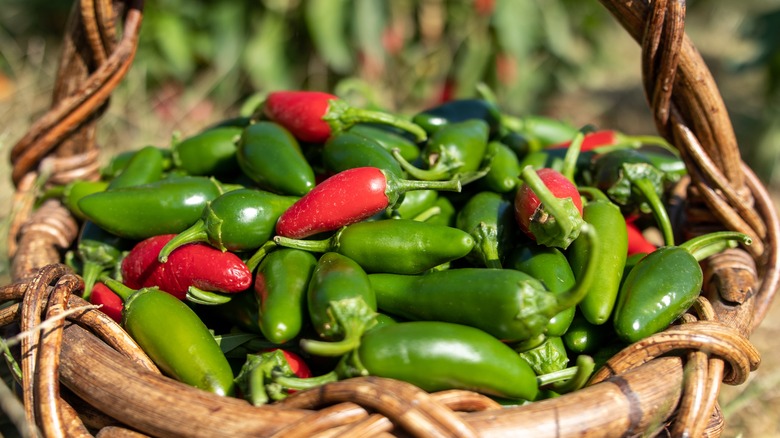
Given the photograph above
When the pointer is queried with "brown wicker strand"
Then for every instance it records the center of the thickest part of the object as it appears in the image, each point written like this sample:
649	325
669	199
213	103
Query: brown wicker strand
465	401
93	31
22	205
693	406
70	112
324	419
118	432
372	426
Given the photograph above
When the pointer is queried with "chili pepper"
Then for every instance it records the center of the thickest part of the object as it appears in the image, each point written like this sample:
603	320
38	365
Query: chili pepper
389	138
413	203
99	251
313	116
550	266
665	283
341	304
457	149
211	152
195	264
119	161
144	167
548	207
637	242
280	287
255	378
510	305
459	110
162	207
436	356
401	246
489	219
72	193
548	357
238	220
632	182
446	213
584	337
241	311
541	131
238	122
610	137
271	156
174	338
111	303
671	165
607	219
348	197
346	150
517	143
504	173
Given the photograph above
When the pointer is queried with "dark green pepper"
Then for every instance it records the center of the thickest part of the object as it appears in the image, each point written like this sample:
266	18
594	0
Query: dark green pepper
510	305
632	182
280	286
413	203
608	220
434	356
583	337
238	220
271	156
174	337
388	138
665	283
446	213
119	161
490	220
504	173
456	150
168	206
346	150
73	192
145	166
550	266
211	152
341	303
459	110
401	246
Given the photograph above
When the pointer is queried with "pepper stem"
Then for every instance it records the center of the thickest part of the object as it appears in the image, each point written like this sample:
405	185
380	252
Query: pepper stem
259	255
324	245
398	186
196	233
585	366
576	293
437	173
593	193
354	316
566	220
302	384
118	287
428	213
709	244
646	188
570	159
341	116
90	272
487	241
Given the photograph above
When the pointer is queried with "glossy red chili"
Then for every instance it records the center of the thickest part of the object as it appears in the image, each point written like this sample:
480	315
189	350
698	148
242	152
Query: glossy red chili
548	207
347	197
111	302
312	116
637	242
195	264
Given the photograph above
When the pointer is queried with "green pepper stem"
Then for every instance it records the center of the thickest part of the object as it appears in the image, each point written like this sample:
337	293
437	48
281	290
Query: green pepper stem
437	173
646	188
397	186
572	153
556	376
593	193
554	206
302	384
324	245
648	140
487	242
428	213
118	287
585	366
196	233
206	298
90	271
709	244
260	254
576	293
354	316
341	116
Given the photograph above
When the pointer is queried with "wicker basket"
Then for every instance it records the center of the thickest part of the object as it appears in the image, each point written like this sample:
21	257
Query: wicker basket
82	374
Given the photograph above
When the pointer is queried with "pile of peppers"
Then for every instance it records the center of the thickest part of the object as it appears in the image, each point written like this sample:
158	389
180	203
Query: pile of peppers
460	248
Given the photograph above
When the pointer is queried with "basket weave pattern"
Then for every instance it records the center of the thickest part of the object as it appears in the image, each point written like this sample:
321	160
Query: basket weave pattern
83	373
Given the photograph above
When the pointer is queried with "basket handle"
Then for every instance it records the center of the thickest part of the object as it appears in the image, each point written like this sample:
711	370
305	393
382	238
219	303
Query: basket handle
93	62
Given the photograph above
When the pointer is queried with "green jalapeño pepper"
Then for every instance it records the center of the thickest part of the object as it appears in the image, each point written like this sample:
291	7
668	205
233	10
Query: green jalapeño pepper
459	110
582	337
210	152
665	283
489	218
270	156
413	203
434	356
238	220
509	304
119	161
145	166
74	191
504	173
401	246
456	150
607	219
346	150
446	212
550	266
174	337
388	138
341	304
632	182
168	206
280	286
